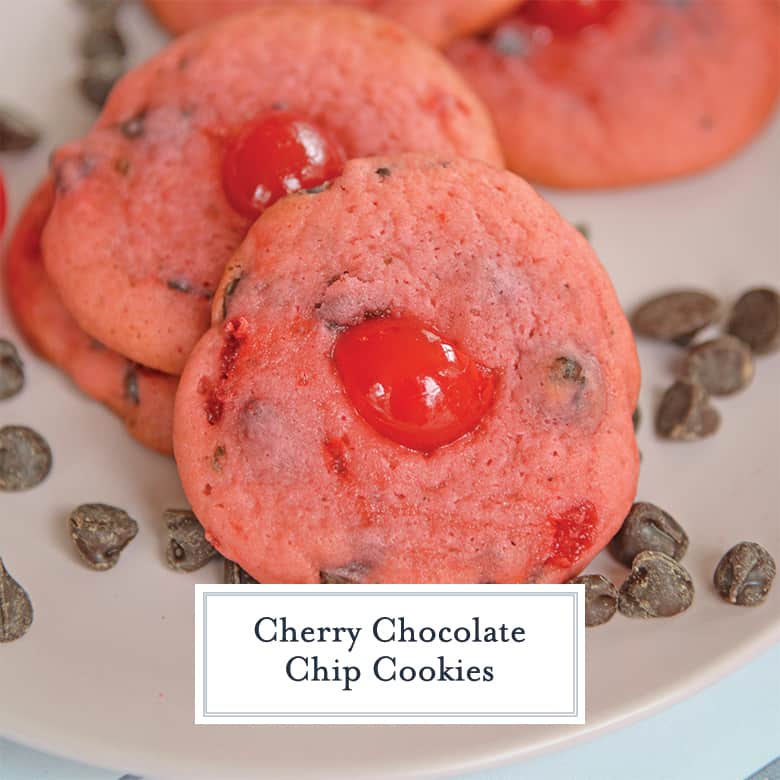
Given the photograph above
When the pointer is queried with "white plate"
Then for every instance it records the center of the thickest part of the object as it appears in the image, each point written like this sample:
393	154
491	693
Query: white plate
105	674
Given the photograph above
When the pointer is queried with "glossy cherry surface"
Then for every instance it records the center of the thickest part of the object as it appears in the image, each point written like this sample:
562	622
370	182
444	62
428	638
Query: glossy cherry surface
277	153
568	17
410	383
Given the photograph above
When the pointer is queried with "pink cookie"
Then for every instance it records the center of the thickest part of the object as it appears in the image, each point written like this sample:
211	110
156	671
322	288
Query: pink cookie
145	186
142	398
297	483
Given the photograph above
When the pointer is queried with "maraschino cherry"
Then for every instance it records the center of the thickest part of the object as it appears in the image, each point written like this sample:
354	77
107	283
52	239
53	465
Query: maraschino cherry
410	383
277	153
568	17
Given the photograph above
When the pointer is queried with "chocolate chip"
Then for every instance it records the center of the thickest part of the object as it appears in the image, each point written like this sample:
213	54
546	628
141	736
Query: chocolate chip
565	369
350	574
755	319
685	413
17	133
383	173
186	545
218	458
647	527
25	458
676	316
11	370
510	42
100	533
99	6
230	288
16	611
658	586
185	286
721	366
102	37
235	575
584	229
636	418
122	166
131	392
133	127
318	189
744	574
99	76
601	598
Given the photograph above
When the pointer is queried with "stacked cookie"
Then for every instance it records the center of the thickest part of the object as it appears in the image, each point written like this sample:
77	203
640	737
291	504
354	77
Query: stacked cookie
594	93
287	253
140	219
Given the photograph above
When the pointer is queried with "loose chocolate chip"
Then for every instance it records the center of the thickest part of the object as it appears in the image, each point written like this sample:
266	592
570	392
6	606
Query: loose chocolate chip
99	76
685	413
16	132
744	574
565	369
25	458
102	37
16	612
636	418
584	229
186	545
601	598
658	586
99	6
133	127
11	370
755	319
647	527
676	316
131	385
383	173
721	366
235	575
100	533
350	574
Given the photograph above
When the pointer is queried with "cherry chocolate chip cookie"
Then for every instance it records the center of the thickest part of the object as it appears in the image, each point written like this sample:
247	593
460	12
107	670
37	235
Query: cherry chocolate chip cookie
419	374
604	93
195	143
142	398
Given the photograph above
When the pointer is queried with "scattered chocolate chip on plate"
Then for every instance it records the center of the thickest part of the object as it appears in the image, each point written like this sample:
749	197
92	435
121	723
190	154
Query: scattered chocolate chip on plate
100	533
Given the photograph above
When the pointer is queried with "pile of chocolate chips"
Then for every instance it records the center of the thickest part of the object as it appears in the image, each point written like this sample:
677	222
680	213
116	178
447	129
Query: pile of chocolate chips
651	542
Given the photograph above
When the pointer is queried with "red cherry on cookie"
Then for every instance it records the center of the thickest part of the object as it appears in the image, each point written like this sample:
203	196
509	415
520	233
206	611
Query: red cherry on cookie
277	153
568	16
410	383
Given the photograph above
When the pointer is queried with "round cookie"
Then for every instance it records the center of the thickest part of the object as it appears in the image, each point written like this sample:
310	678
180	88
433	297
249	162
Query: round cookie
295	484
656	89
142	398
146	184
437	21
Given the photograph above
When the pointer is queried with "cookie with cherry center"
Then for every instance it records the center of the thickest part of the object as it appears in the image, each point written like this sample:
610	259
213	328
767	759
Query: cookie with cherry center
607	93
419	374
195	143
